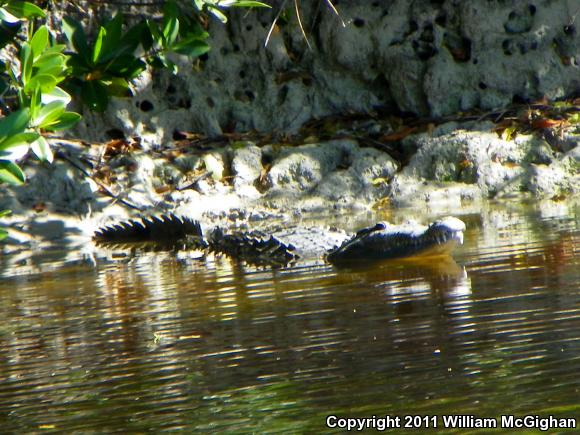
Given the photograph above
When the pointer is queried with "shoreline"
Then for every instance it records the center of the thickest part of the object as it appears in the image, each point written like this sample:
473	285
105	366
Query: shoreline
453	166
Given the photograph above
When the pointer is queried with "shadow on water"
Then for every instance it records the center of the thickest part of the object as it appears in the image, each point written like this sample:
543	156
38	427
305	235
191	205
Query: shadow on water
159	343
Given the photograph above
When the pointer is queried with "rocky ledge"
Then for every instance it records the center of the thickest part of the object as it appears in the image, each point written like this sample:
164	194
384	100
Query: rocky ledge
452	165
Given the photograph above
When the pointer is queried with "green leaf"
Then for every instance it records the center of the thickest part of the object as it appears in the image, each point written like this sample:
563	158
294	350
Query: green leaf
35	103
160	61
41	149
118	87
26	61
7	16
39	42
48	114
562	104
124	45
49	60
170	22
191	47
139	34
94	95
11	173
249	4
66	121
16	151
45	82
15	147
126	66
56	48
14	123
111	43
3	232
114	30
509	133
122	50
98	45
156	34
78	64
57	94
13	74
170	10
76	35
198	33
170	31
217	13
53	64
16	140
24	9
574	118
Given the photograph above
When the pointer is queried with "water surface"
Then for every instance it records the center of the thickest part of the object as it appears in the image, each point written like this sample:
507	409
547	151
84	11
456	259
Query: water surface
157	342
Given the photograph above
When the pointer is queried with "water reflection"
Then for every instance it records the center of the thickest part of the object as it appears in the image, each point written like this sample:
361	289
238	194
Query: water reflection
155	343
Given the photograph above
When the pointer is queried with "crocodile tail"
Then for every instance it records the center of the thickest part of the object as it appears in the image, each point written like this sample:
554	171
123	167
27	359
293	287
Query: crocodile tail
165	229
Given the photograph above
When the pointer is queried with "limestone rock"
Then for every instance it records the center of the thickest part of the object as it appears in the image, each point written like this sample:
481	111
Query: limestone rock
301	169
246	165
215	164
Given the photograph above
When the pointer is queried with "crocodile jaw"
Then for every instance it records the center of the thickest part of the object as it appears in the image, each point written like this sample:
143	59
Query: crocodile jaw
448	235
442	246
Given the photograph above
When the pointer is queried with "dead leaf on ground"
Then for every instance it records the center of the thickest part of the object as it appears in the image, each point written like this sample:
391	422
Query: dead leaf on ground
538	124
400	134
163	189
39	207
262	179
119	146
465	163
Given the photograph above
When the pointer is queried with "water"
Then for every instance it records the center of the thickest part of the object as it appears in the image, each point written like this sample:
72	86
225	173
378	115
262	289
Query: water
157	343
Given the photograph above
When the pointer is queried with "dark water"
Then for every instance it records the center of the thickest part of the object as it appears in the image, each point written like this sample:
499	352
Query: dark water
158	344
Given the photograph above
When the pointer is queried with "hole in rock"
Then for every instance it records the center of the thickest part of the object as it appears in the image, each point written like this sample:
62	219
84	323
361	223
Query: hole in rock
146	106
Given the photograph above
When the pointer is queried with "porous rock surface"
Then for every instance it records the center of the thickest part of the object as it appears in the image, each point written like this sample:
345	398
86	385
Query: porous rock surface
428	58
459	163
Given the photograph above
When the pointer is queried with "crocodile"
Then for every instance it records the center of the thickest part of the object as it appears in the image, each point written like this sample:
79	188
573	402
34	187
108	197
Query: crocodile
284	246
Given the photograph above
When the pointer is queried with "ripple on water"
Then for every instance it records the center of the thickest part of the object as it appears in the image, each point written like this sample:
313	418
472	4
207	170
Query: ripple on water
155	343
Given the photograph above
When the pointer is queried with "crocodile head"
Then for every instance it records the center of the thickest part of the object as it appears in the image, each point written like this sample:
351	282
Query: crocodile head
443	235
385	241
